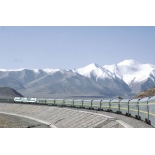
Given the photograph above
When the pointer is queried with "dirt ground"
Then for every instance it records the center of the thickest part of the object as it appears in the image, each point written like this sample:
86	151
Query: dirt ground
10	121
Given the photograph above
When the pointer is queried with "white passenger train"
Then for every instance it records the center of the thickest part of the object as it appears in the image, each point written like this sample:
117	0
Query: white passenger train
141	109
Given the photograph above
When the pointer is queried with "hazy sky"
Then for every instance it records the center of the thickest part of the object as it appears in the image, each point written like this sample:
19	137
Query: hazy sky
74	47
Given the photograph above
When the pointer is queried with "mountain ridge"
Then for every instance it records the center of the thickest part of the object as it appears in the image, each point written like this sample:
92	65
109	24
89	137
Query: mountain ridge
135	74
125	79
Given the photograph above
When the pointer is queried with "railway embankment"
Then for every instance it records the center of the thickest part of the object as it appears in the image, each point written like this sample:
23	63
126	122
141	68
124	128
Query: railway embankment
51	116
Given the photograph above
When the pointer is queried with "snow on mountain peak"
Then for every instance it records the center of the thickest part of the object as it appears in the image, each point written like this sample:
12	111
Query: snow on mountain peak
87	69
92	66
131	70
36	71
127	70
10	70
114	69
94	70
136	71
49	70
128	62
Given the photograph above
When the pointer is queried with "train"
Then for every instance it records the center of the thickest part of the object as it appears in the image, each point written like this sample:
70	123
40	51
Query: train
141	108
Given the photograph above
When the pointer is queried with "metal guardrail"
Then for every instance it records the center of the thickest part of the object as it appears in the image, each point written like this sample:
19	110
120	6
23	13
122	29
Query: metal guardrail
141	109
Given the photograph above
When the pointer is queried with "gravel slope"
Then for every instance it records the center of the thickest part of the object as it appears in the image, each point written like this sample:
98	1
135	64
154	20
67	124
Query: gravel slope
10	121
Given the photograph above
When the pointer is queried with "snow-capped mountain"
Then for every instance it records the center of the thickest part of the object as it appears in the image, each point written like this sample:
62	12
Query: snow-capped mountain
17	79
103	77
123	79
138	76
94	70
53	82
62	82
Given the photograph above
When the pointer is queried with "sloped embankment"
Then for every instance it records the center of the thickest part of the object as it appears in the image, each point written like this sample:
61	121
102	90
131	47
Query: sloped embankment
10	121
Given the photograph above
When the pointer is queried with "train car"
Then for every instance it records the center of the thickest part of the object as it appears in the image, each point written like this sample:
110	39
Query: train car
50	102
151	107
24	100
69	103
96	104
32	100
59	102
124	106
105	105
18	99
134	108
78	103
29	100
143	109
114	105
41	101
87	104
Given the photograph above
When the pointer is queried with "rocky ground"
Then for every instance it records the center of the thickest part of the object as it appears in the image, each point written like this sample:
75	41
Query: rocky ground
146	93
10	121
62	117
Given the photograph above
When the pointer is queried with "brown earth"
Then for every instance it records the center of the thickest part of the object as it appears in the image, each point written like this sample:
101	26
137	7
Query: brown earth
146	93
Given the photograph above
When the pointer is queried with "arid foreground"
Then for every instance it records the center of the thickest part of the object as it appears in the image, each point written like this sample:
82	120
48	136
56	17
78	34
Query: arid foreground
9	121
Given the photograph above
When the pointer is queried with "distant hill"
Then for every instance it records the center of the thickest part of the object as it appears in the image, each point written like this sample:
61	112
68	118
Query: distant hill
147	93
9	92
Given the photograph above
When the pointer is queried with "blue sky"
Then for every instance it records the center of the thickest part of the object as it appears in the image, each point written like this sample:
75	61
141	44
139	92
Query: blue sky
74	47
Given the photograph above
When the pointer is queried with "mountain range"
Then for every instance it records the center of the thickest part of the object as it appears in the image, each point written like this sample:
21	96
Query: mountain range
124	79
